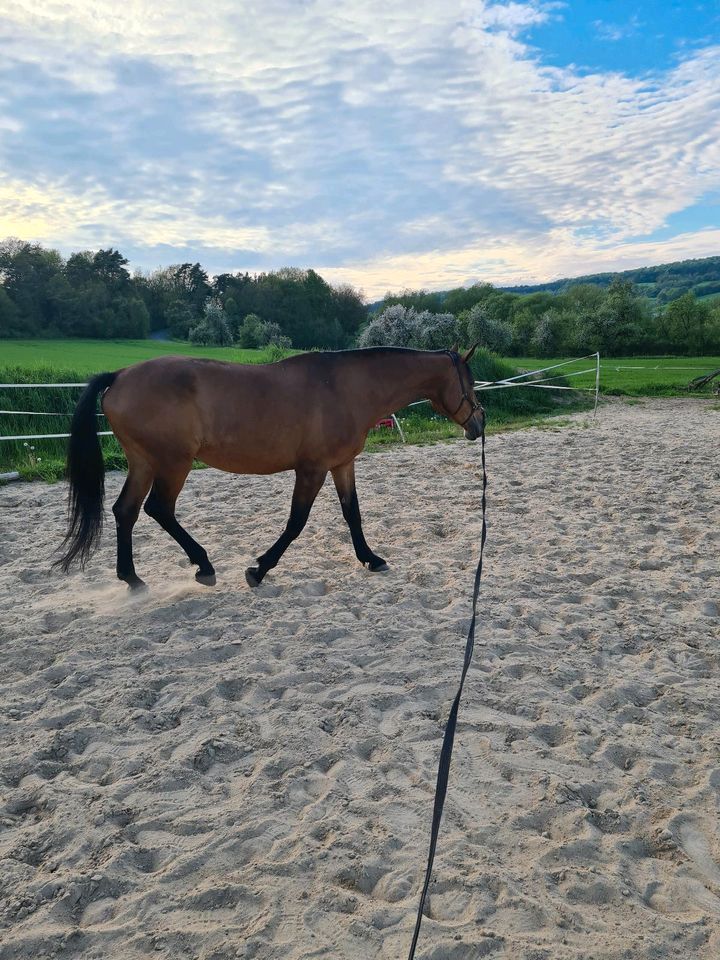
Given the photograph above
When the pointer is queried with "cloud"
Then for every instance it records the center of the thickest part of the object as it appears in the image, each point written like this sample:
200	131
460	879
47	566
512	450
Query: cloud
349	136
617	31
512	262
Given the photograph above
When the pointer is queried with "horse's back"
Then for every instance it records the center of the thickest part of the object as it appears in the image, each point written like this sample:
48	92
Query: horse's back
245	418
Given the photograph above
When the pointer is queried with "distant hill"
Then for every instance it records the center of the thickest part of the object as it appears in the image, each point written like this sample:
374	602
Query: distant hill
662	283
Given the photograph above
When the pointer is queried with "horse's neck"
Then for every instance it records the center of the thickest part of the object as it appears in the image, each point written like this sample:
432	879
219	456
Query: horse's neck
407	378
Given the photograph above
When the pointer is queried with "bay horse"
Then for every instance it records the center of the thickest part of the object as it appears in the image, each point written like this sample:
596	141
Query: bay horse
310	413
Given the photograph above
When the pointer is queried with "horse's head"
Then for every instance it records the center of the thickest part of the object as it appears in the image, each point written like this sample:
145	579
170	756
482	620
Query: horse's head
457	399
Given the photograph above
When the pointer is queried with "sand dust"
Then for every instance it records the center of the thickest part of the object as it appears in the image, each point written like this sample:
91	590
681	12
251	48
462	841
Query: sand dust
221	773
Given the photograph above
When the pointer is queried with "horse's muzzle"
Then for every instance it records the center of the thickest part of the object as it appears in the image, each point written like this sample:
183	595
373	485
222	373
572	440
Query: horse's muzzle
475	427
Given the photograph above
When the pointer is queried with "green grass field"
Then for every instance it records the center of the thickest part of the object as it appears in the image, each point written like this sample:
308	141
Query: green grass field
96	356
632	376
63	361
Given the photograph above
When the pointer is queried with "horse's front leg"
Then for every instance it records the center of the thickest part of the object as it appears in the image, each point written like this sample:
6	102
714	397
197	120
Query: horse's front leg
344	478
308	482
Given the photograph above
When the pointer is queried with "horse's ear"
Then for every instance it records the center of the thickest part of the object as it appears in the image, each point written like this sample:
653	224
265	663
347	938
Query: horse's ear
455	347
471	351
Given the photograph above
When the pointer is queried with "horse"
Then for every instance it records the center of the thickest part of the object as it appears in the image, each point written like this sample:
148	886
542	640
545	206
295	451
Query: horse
310	413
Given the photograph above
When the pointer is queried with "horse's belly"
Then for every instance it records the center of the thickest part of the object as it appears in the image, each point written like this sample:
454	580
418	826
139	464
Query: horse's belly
234	459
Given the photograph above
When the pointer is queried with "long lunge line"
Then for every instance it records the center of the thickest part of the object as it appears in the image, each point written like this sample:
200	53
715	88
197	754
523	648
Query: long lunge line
449	736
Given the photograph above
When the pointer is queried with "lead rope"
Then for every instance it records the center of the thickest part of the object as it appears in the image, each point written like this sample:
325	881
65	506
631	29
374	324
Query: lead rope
449	736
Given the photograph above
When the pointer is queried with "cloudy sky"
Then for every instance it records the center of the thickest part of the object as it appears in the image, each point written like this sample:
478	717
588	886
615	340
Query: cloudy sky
388	143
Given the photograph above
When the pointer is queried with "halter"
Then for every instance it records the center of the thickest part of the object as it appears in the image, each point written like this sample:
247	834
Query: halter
474	405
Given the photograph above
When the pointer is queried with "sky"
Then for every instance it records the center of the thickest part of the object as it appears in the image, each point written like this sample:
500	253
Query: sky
385	143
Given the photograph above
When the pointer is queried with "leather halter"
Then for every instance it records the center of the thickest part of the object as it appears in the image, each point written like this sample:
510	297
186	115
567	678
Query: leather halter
474	405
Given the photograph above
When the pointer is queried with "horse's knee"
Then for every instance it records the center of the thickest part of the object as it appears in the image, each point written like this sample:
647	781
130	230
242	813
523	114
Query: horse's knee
153	507
125	512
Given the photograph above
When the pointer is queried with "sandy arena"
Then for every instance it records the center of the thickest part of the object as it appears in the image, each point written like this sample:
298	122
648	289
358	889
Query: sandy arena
220	773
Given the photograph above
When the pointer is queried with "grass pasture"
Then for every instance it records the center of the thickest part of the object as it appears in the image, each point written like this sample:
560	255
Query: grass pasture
95	356
633	376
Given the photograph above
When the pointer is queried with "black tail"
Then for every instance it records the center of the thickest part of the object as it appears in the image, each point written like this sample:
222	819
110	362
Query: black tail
86	473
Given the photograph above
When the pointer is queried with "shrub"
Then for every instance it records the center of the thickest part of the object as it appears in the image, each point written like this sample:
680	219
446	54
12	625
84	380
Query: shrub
400	326
213	329
248	333
489	331
254	332
546	339
272	336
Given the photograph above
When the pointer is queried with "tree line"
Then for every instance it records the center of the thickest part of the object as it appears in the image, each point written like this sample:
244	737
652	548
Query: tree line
616	320
92	294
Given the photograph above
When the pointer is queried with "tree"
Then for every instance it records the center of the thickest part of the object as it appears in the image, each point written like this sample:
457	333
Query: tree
180	318
350	310
138	319
191	286
273	336
395	326
523	329
546	339
465	298
488	330
686	322
26	270
712	330
299	301
109	266
254	333
419	300
619	321
250	332
159	291
436	331
10	323
79	270
213	329
400	326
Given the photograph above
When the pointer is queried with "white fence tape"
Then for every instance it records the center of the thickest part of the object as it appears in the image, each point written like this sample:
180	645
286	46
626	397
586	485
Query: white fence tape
543	383
52	436
532	373
42	413
501	384
540	386
658	367
33	386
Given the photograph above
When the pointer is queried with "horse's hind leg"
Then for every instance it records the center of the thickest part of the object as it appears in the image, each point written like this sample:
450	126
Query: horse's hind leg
160	505
126	510
307	486
344	478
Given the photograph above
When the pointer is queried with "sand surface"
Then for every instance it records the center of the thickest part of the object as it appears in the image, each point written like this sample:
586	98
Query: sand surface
220	773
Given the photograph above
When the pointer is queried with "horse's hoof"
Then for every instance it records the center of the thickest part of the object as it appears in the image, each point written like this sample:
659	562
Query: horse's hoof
138	586
381	567
252	576
206	579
